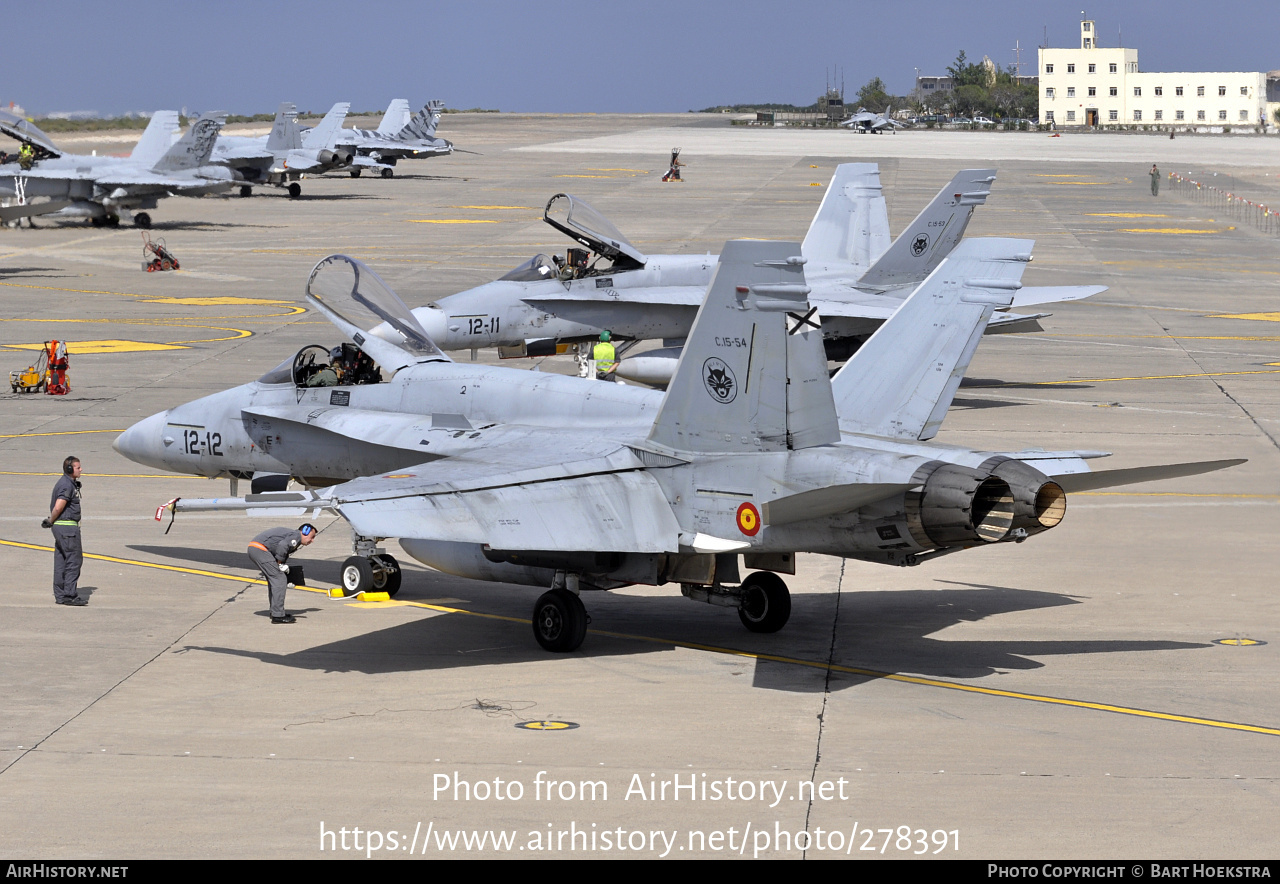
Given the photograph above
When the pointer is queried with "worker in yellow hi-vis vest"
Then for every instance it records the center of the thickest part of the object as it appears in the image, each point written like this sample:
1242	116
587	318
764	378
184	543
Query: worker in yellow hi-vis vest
606	358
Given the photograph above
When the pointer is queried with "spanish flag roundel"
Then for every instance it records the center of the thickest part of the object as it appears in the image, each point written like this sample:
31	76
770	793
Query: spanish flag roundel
748	520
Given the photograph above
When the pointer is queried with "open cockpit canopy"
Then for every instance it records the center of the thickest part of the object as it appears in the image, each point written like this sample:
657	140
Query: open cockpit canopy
358	302
577	220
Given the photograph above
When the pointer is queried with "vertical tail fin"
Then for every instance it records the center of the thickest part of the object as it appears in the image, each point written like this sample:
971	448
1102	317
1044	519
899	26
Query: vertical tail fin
852	224
901	382
322	136
284	131
395	119
933	234
156	139
193	149
423	125
753	374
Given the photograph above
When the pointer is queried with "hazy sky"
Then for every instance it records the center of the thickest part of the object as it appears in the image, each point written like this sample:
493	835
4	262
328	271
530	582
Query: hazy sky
566	55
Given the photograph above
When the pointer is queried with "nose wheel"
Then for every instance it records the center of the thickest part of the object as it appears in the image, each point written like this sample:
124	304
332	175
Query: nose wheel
559	621
378	573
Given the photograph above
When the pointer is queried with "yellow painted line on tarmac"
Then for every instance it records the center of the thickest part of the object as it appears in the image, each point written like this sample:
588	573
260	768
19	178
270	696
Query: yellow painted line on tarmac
91	348
529	208
1122	215
1260	317
1048	175
1173	231
58	433
452	221
584	176
641	171
221	301
734	652
54	288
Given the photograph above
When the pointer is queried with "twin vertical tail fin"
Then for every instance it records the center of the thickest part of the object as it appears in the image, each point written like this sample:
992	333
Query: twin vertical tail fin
423	125
901	382
284	131
395	119
194	148
322	136
156	139
920	248
752	375
852	224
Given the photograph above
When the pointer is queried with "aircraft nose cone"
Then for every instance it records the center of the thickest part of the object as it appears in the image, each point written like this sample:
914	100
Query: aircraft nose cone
143	443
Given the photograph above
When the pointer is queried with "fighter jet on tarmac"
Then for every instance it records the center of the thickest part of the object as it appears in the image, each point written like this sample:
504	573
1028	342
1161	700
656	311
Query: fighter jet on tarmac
865	121
381	148
753	453
858	275
107	189
286	155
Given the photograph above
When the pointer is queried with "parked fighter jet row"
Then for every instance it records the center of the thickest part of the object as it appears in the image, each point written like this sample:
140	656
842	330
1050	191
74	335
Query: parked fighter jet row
106	190
754	452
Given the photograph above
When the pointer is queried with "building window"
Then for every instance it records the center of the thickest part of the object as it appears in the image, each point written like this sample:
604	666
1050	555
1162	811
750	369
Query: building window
1093	90
1222	115
1137	91
1177	90
1114	115
1244	90
1200	90
1071	116
1087	25
1222	90
1137	116
1113	69
1093	68
1244	116
1159	115
1048	116
1071	92
1159	90
1048	92
1113	91
1071	69
1180	115
1199	115
1048	69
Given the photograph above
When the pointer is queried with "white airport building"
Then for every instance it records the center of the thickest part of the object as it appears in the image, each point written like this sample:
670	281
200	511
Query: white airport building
1093	86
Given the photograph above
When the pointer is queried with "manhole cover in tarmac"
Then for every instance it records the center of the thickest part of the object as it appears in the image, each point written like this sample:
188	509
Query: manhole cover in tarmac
547	725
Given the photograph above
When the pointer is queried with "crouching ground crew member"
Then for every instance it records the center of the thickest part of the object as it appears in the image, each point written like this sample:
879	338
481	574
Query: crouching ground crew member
270	551
64	519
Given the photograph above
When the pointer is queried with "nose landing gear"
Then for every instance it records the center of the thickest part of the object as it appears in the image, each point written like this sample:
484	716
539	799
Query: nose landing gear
375	573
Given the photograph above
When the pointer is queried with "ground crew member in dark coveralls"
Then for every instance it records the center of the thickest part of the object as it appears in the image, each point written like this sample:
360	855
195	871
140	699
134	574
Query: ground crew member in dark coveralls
270	551
64	519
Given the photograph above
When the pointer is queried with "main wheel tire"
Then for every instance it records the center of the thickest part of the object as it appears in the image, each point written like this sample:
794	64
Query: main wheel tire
246	190
386	575
295	190
387	173
355	173
766	606
142	219
357	575
559	621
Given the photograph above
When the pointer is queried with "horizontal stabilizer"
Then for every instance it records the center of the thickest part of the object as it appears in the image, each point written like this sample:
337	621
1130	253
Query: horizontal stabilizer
1134	475
830	501
1029	296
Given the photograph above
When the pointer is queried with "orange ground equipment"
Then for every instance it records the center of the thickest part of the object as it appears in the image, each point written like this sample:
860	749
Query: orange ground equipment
163	258
48	373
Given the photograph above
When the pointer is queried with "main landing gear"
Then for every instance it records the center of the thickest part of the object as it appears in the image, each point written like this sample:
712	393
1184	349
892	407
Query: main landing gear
379	572
762	600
